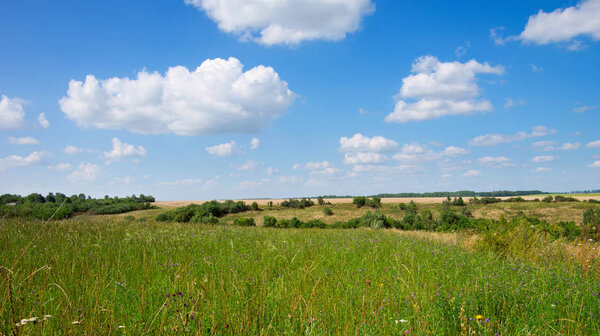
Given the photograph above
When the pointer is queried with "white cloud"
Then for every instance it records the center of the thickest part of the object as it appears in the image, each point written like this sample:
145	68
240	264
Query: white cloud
541	169
85	173
121	151
596	164
497	139
563	25
361	143
248	165
43	121
14	161
217	97
544	143
72	150
498	38
12	115
417	152
544	158
593	144
313	165
472	173
498	161
271	171
441	89
223	150
286	21
254	143
23	141
364	158
570	146
509	102
584	108
61	167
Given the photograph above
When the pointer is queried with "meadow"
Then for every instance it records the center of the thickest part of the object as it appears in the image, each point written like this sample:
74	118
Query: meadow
131	275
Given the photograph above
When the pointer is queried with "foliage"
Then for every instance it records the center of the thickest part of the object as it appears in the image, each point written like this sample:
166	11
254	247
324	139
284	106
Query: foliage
37	206
211	210
298	204
254	206
244	221
327	211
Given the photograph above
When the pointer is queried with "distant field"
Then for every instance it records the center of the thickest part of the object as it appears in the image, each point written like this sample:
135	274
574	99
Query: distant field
106	275
383	200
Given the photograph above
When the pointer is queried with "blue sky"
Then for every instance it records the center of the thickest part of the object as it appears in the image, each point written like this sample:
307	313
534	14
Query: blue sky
207	99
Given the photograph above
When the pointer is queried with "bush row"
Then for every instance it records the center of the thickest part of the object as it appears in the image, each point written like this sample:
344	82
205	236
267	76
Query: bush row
207	213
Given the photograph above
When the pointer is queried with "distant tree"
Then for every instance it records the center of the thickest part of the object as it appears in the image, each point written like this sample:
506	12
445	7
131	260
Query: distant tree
254	206
35	198
320	200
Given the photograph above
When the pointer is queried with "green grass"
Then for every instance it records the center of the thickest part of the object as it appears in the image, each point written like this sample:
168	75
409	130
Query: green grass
158	278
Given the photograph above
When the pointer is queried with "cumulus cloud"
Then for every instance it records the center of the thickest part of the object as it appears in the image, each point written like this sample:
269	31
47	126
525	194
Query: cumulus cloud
14	161
61	167
593	144
43	121
121	151
364	158
472	173
271	171
23	141
595	164
361	143
544	158
286	21
498	161
254	143
570	146
564	25
72	150
12	114
441	89
223	150
216	97
417	152
497	139
462	50
85	173
541	169
546	145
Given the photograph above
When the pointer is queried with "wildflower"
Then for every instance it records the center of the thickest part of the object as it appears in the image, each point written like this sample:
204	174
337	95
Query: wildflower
479	317
75	322
381	285
121	327
369	282
400	321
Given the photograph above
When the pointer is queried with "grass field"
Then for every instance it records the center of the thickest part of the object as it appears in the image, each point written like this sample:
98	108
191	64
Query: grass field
114	275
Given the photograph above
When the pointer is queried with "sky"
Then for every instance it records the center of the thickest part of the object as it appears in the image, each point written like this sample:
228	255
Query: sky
221	99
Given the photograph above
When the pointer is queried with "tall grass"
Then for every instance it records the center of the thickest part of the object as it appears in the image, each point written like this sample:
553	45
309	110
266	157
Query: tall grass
113	277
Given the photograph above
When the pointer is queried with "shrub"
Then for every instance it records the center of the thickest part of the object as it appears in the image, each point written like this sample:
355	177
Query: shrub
515	199
320	200
269	221
560	198
254	206
374	220
374	202
548	199
327	211
298	204
244	221
359	201
594	201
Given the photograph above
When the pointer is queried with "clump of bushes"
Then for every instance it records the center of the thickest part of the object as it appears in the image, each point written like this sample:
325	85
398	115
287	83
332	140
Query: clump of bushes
61	206
297	204
361	201
244	221
207	213
327	211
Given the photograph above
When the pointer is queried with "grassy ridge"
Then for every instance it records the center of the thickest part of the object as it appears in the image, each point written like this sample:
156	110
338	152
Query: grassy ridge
155	278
